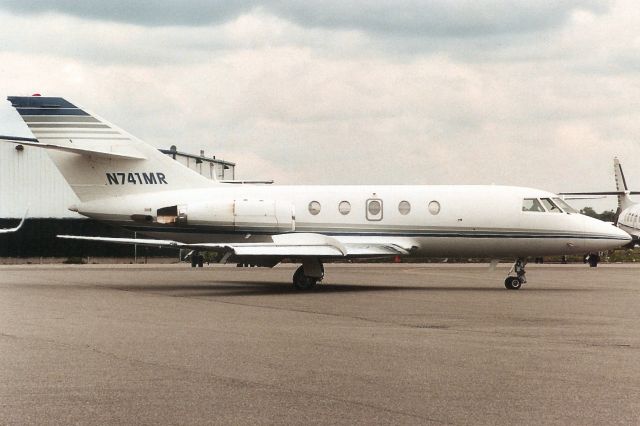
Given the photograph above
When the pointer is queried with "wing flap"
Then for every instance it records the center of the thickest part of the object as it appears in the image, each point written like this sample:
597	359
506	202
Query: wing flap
363	250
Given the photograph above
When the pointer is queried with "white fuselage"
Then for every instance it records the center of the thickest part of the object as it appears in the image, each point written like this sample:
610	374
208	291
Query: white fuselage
431	221
629	220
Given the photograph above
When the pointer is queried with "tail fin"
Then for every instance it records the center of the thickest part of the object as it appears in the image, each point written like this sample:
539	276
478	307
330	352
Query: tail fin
624	201
96	158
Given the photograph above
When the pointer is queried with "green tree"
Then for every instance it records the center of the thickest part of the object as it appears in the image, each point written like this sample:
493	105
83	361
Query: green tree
607	216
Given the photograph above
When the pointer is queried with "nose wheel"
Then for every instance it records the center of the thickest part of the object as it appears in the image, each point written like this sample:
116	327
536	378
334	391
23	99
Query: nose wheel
514	282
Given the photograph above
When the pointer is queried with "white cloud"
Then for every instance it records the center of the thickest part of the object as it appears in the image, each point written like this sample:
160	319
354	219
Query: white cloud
323	105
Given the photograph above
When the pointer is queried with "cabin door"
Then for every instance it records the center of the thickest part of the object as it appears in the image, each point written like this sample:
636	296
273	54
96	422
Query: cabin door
374	209
263	215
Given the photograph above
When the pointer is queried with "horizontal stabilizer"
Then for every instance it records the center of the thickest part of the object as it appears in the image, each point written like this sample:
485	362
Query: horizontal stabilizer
601	193
583	197
121	153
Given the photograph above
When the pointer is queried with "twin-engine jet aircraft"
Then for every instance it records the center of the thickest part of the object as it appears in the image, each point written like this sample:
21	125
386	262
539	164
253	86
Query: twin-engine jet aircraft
628	215
121	180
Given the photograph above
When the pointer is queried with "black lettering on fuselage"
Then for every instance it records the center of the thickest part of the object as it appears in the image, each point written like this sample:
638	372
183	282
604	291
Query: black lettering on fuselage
150	178
112	179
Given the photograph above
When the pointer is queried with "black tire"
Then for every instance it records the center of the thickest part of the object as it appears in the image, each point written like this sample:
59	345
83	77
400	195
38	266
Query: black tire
512	283
200	261
303	282
194	260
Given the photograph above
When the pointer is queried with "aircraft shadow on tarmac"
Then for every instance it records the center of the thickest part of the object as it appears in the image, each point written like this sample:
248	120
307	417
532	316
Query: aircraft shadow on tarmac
264	288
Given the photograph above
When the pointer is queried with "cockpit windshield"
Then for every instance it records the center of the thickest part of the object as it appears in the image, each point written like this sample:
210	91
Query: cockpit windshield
564	205
550	206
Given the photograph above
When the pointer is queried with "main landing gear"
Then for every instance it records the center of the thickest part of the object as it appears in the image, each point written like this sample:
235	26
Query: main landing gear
309	274
515	282
197	260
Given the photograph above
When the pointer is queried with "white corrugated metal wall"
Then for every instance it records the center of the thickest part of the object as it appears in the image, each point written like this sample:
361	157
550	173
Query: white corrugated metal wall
29	178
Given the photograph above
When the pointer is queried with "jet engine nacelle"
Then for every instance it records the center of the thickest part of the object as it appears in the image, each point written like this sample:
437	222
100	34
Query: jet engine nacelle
237	215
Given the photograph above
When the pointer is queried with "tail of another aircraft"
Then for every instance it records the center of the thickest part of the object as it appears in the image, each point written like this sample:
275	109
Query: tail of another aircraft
622	191
624	200
98	159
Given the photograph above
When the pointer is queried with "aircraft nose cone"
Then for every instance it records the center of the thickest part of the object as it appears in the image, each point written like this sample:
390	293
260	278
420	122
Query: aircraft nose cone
625	237
604	235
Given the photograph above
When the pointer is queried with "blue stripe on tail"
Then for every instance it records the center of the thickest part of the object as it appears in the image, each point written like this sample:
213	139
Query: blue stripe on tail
39	105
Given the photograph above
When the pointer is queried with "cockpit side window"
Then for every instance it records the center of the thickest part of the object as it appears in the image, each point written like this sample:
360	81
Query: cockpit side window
532	205
550	206
564	206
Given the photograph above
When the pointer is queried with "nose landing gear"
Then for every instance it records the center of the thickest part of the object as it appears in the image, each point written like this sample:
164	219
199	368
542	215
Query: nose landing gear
197	260
515	282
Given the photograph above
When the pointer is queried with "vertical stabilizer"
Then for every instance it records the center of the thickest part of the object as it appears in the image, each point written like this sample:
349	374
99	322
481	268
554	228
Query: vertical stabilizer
624	201
97	159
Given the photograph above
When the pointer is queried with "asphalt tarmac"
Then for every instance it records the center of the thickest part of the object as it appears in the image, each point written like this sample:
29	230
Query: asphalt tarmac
401	344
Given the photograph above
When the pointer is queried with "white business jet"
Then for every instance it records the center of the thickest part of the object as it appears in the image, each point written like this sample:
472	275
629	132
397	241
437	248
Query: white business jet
628	214
121	180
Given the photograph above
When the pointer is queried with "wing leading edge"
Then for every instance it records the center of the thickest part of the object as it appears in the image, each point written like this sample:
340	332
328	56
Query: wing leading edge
285	245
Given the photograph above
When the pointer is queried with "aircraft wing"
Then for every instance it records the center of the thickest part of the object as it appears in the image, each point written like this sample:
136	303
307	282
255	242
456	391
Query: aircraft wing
284	245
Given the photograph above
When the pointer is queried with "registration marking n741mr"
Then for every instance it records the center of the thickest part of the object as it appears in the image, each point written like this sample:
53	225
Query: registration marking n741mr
143	178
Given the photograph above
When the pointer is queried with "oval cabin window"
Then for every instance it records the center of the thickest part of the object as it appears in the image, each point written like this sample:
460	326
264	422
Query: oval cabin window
314	207
374	207
344	207
404	207
434	207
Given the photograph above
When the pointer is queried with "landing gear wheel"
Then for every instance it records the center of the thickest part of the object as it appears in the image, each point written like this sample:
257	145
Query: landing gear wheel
512	283
302	281
197	260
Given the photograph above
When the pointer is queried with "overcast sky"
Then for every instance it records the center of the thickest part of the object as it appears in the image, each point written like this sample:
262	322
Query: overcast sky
530	93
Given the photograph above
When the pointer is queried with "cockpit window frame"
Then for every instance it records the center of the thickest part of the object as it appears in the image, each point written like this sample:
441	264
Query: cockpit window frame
553	209
564	206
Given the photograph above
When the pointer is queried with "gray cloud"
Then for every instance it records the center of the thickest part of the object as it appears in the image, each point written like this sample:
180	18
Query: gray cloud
147	13
440	18
430	18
